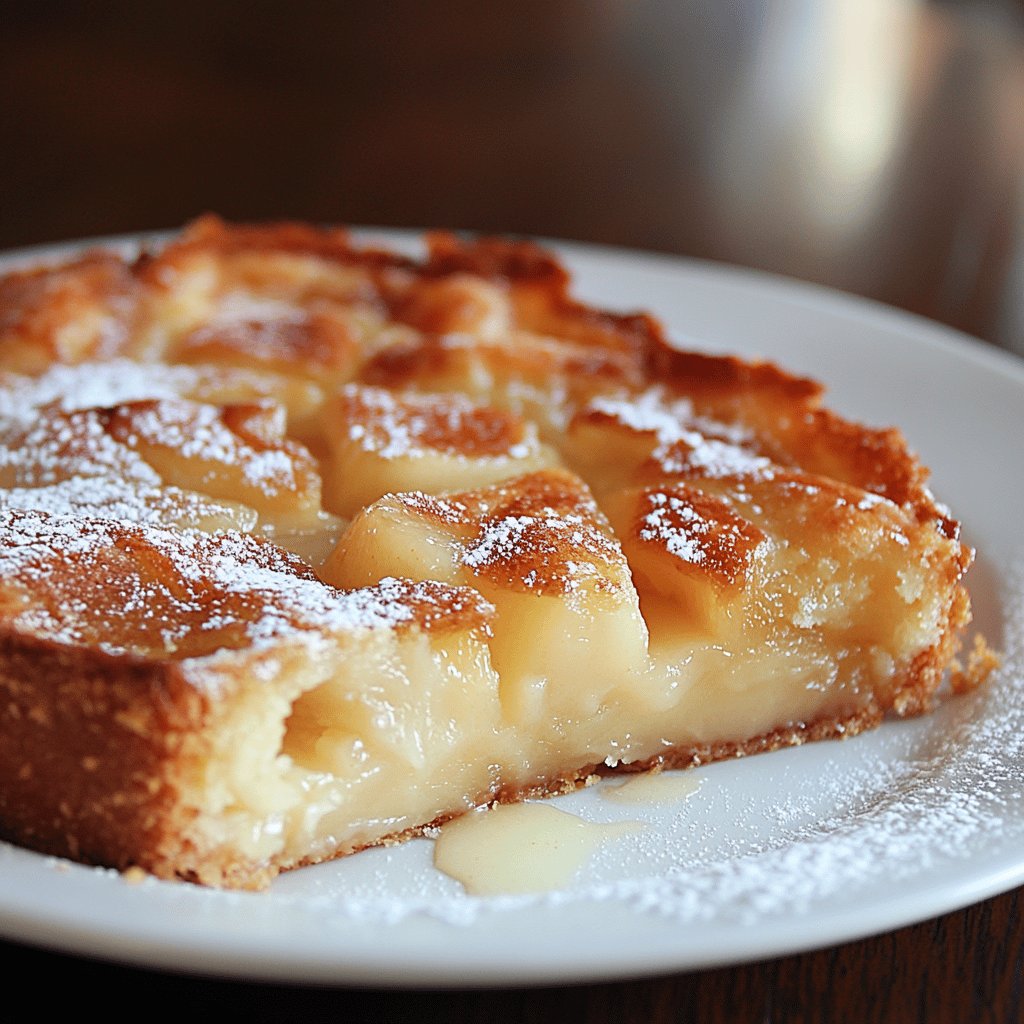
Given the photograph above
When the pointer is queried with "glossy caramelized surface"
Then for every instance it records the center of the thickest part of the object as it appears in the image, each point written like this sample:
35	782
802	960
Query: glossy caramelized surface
402	537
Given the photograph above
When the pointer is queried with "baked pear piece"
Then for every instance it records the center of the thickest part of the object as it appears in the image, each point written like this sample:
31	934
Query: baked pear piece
567	639
85	309
733	526
306	546
381	441
164	460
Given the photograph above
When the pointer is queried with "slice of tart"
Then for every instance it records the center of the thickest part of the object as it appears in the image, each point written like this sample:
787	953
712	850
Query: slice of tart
307	547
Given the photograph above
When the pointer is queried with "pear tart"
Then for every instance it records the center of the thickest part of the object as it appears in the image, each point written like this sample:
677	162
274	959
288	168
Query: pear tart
307	547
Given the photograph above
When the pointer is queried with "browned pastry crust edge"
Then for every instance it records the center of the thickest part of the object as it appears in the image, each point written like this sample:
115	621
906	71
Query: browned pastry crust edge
100	762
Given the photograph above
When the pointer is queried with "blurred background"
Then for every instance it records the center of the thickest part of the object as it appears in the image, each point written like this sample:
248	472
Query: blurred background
873	145
876	146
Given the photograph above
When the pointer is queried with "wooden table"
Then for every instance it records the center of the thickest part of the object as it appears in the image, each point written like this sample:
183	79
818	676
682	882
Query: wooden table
875	147
963	967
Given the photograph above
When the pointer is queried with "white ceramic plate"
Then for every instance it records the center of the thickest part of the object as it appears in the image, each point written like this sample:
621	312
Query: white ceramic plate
780	853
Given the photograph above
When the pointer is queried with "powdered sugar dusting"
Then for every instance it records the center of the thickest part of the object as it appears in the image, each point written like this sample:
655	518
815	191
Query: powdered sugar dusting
130	588
683	442
680	533
77	440
409	426
92	385
698	530
545	551
112	498
693	453
502	540
196	431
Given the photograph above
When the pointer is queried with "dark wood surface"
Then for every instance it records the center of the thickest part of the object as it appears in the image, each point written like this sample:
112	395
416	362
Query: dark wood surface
963	967
875	147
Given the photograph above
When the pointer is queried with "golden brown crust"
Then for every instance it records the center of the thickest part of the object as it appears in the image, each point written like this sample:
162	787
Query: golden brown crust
436	362
722	542
539	291
534	532
117	737
210	234
982	661
410	423
312	345
80	310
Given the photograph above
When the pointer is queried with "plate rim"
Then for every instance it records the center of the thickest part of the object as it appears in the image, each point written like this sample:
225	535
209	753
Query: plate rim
952	342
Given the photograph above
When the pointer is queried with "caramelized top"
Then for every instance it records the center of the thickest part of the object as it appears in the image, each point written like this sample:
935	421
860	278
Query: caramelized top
396	426
155	592
233	452
299	342
697	530
157	415
435	362
677	440
542	533
85	309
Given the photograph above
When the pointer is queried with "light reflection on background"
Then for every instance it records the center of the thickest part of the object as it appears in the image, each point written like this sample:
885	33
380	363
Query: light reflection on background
814	123
876	146
873	145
